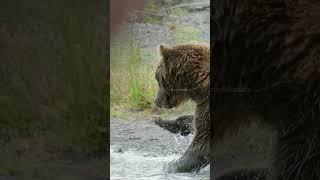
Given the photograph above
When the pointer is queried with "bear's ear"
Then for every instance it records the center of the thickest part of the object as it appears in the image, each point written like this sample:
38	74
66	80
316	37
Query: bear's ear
163	50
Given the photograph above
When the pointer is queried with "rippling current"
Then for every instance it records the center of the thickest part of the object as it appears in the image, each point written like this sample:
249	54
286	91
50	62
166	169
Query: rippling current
140	150
136	165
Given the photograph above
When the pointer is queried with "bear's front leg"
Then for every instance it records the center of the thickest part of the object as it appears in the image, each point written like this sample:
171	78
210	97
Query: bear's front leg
198	154
182	125
195	158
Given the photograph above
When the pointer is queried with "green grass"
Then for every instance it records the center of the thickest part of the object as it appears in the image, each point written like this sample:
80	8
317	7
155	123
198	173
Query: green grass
186	34
152	12
179	12
132	82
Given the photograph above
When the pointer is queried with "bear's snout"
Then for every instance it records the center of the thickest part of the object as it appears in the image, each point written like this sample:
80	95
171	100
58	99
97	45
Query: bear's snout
162	102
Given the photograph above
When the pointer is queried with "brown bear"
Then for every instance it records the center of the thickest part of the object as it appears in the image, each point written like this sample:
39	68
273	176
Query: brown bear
183	73
266	62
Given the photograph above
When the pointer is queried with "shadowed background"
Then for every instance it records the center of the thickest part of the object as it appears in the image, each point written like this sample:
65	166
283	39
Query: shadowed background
53	89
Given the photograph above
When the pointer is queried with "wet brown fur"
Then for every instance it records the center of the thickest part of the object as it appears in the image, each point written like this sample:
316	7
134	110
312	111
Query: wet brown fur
184	71
182	125
182	74
271	49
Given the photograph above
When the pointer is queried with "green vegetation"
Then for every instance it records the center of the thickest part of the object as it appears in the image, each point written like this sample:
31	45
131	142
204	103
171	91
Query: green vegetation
132	82
179	12
152	12
187	34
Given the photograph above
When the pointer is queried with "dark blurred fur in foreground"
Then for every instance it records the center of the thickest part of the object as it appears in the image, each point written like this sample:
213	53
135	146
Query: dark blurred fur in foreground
269	49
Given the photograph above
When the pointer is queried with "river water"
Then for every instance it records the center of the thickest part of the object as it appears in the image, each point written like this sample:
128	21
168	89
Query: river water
140	150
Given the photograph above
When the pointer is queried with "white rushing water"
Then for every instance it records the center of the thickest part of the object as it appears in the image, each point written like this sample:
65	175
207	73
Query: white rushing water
140	150
131	165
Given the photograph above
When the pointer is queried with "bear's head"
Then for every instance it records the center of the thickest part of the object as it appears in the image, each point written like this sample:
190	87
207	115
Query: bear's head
182	74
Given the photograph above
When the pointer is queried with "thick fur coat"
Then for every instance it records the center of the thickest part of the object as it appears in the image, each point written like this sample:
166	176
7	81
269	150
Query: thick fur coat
183	73
271	50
